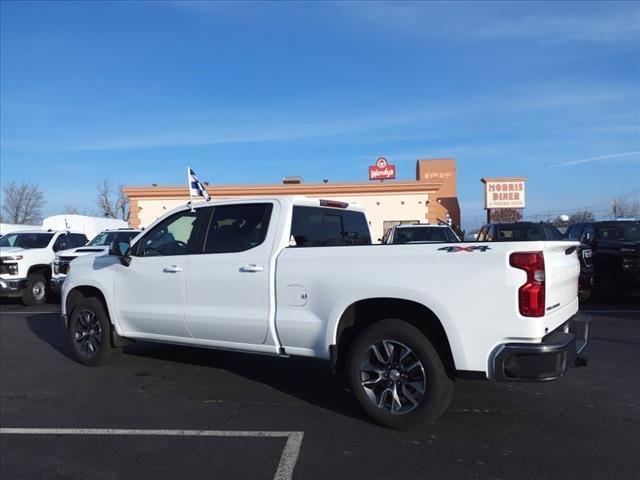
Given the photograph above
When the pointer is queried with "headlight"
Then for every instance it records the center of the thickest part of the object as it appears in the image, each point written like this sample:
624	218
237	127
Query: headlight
587	254
627	263
16	257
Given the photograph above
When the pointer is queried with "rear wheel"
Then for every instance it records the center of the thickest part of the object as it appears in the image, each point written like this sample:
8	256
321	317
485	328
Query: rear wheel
90	332
35	292
397	375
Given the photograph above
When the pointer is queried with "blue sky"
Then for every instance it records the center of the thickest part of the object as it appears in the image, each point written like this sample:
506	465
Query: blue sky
251	92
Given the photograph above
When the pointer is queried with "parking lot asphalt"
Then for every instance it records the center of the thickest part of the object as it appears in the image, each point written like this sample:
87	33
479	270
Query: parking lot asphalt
585	425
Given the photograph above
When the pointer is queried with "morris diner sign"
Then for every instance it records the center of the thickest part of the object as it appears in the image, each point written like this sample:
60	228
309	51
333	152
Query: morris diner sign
382	170
505	192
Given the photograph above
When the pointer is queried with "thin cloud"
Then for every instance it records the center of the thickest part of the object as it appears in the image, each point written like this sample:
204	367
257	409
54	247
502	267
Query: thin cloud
619	26
396	124
494	20
595	159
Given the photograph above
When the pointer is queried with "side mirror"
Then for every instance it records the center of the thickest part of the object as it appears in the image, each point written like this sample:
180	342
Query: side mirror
121	250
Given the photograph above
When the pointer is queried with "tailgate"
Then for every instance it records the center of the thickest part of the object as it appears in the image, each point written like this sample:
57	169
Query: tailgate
562	269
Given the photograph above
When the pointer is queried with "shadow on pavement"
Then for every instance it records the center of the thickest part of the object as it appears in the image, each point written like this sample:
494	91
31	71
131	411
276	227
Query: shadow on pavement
48	328
15	303
307	379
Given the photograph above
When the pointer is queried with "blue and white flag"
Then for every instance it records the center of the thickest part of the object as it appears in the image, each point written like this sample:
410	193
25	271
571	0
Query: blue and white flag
196	188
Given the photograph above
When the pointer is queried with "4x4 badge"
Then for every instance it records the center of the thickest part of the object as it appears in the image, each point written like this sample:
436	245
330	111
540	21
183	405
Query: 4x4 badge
472	248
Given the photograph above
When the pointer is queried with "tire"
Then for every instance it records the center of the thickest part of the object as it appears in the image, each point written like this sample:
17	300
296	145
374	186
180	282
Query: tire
90	333
423	390
35	292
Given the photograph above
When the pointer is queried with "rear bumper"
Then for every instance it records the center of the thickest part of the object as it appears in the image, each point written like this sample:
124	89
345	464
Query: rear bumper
12	287
544	361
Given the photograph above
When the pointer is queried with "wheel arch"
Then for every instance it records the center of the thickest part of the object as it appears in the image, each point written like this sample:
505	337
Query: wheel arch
87	291
363	313
84	291
40	268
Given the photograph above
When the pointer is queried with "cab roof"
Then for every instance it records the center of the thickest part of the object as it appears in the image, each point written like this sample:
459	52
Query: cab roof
286	201
422	225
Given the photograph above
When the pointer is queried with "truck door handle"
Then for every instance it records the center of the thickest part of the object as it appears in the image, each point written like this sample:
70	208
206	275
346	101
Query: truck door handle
251	268
172	269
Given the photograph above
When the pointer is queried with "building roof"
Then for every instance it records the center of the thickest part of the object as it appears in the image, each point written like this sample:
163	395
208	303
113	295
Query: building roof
140	192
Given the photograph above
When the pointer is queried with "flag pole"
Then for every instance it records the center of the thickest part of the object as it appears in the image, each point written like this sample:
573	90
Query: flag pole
189	187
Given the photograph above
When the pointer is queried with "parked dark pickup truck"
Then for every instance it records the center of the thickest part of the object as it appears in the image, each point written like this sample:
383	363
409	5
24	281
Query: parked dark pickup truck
615	248
529	231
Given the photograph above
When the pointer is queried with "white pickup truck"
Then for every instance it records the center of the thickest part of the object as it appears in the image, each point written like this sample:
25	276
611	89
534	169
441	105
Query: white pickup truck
294	276
25	262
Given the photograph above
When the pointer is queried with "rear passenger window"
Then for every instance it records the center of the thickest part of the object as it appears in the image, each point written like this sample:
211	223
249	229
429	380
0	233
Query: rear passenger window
236	228
574	232
552	233
325	227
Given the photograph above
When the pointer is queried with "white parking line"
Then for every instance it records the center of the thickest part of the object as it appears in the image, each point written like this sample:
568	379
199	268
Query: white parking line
288	458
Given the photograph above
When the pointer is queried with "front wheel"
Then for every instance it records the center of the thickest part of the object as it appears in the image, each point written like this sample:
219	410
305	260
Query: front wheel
90	332
397	375
35	292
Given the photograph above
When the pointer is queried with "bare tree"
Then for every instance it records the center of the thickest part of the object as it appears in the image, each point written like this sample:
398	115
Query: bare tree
112	202
622	207
22	203
581	216
505	215
73	210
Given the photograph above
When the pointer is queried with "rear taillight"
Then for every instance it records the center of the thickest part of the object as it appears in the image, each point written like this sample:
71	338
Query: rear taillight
531	294
333	203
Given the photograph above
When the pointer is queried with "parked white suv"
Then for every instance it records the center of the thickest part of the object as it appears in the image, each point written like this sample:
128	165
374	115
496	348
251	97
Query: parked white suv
25	262
99	245
293	276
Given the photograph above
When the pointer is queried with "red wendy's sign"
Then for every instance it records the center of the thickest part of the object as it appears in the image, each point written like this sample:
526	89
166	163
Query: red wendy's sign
382	170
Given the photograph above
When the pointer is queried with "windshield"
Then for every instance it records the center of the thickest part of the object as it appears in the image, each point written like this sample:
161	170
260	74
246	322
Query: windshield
423	234
105	239
527	232
26	240
620	231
